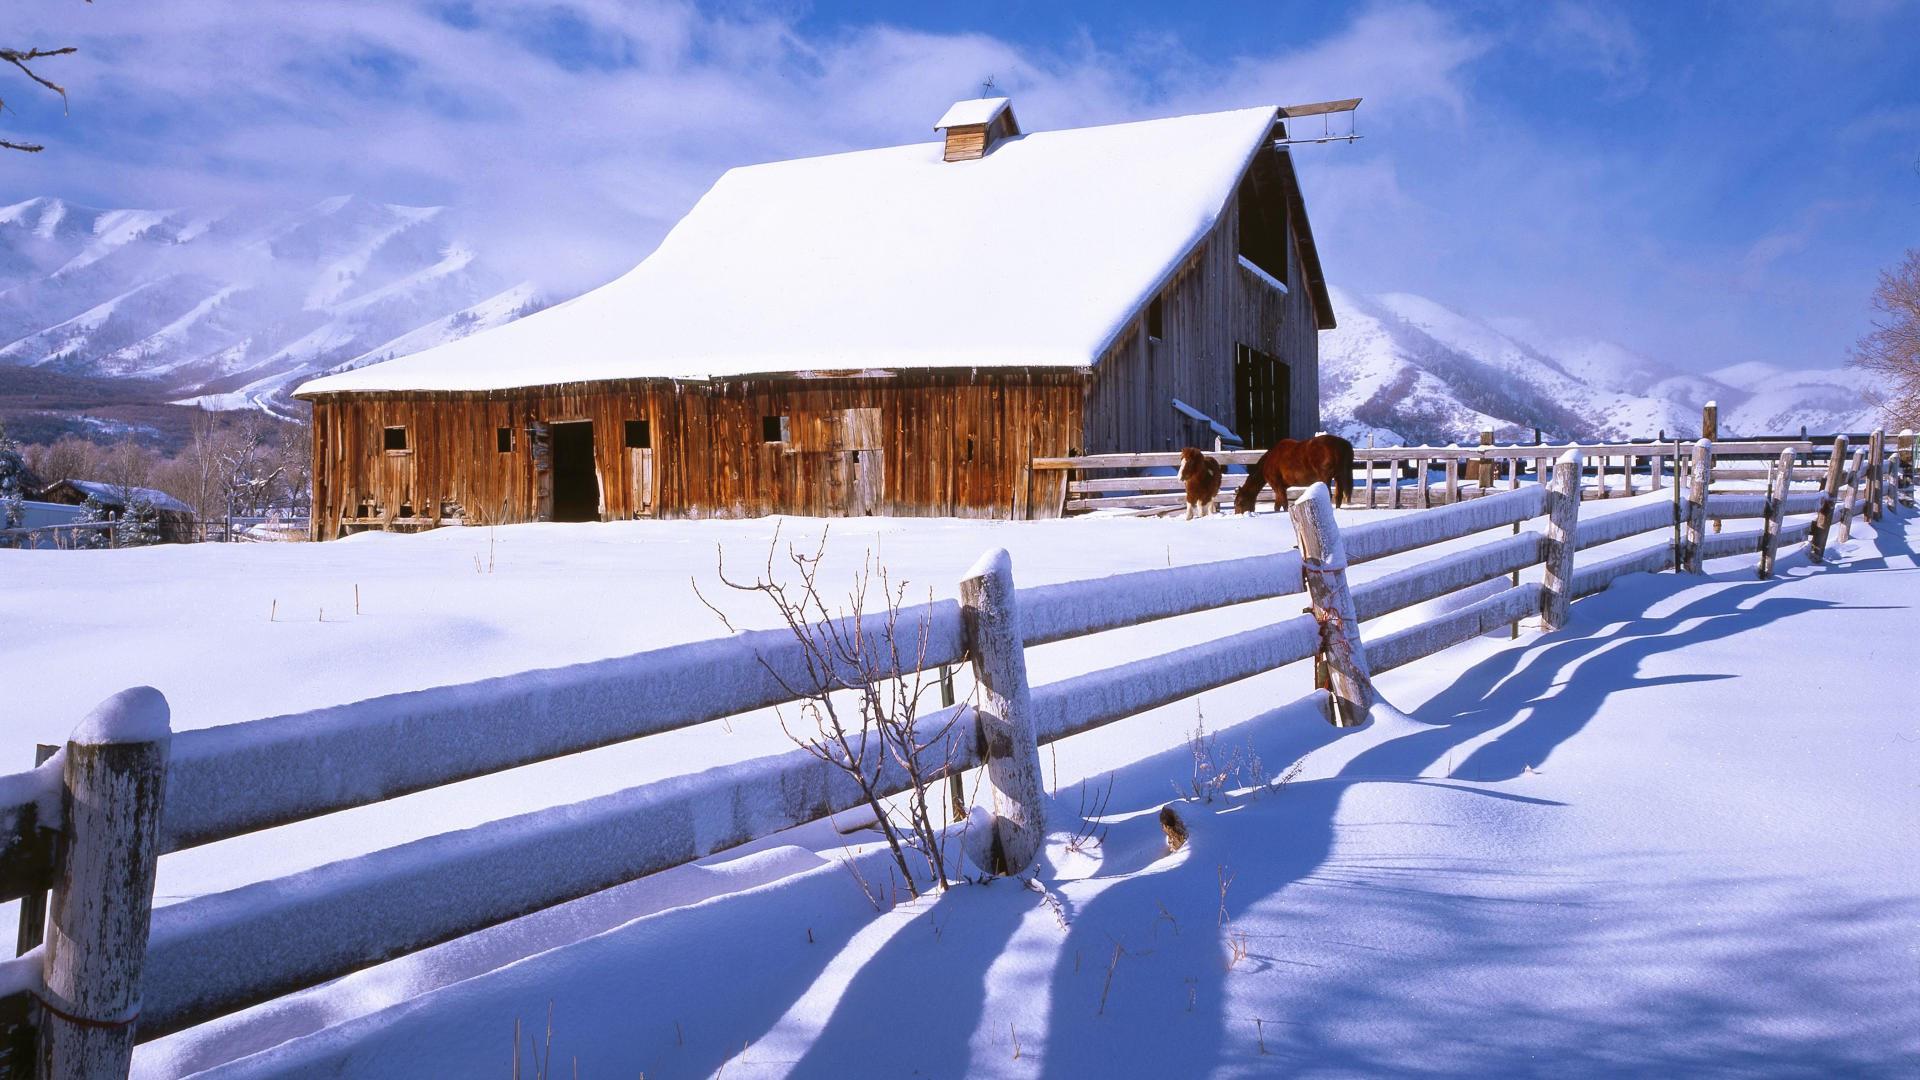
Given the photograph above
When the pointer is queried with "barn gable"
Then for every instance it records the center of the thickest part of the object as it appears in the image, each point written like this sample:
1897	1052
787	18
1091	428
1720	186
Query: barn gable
884	259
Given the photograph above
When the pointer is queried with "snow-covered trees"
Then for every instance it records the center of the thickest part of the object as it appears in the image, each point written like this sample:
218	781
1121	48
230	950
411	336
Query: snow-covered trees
1892	350
15	480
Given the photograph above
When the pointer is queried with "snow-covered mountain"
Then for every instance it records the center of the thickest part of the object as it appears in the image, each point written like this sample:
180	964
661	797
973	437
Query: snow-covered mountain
230	308
1402	368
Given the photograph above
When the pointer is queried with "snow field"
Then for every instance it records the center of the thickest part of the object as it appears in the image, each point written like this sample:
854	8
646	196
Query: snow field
1199	579
1666	840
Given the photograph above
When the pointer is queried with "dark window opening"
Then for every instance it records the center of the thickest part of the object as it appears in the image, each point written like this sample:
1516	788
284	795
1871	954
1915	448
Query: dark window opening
639	435
395	438
1156	318
773	429
503	440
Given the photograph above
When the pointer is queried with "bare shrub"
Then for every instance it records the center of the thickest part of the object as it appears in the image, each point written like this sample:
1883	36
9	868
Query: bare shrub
1892	350
859	696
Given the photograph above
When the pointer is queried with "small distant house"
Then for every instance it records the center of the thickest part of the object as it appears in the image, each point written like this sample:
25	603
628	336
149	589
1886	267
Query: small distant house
175	517
897	331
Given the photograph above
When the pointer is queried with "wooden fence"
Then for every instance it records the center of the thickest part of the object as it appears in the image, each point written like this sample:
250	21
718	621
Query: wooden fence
1401	477
89	824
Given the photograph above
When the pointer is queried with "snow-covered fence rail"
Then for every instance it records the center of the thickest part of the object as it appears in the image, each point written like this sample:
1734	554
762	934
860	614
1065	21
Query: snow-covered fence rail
97	986
1399	477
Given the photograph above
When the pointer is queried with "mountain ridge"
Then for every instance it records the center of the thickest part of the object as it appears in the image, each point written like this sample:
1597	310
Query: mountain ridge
232	308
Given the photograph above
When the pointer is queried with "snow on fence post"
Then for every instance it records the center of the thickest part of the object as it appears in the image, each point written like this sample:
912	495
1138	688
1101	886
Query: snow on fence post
1012	754
1701	471
1829	496
115	776
1323	562
1563	522
1876	471
1775	514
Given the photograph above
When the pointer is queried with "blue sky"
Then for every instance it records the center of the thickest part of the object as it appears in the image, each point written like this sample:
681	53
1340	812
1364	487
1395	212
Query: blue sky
1704	183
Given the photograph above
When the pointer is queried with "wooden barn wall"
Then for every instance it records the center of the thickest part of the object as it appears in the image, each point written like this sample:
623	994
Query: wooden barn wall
1211	304
952	443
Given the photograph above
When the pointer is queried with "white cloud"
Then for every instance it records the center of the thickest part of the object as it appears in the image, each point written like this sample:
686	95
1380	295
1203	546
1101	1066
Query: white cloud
587	163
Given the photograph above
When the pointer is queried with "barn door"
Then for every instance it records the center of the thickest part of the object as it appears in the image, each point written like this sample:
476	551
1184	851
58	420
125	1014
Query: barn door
1263	397
848	461
540	447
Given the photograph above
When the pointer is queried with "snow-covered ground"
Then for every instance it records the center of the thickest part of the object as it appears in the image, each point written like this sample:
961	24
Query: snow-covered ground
1676	837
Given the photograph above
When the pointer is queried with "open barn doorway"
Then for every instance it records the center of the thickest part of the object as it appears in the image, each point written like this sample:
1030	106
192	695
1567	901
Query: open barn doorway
1263	397
576	484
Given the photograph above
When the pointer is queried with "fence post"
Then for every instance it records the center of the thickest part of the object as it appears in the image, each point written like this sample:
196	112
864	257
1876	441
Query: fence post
1323	560
1876	471
1710	421
987	604
116	770
1848	494
1776	512
1696	531
1486	463
33	906
1563	520
1829	495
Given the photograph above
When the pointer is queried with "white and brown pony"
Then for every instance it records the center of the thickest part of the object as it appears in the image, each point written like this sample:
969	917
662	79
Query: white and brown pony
1201	474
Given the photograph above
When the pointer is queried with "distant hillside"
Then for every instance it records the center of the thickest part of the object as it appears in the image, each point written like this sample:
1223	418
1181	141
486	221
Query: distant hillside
114	322
230	308
1401	368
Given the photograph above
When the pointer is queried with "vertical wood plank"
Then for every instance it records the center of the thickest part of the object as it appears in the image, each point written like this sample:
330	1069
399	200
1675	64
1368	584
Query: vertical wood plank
1829	495
1776	512
988	606
1563	518
1699	470
116	766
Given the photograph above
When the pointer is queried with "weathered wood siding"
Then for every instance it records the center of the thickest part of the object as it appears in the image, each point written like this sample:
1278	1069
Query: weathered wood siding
949	442
1210	304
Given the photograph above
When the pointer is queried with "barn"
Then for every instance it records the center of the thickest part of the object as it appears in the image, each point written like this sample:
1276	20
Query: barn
897	331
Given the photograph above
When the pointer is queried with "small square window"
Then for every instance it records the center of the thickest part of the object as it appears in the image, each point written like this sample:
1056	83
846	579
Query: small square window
395	438
773	429
639	435
503	440
1156	318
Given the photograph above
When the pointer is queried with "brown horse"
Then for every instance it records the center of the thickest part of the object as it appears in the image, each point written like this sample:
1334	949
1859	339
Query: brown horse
1201	474
1326	459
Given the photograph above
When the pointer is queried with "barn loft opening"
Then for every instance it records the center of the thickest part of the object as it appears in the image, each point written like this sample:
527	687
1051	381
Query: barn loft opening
1264	234
394	439
576	483
973	127
503	440
773	429
1156	318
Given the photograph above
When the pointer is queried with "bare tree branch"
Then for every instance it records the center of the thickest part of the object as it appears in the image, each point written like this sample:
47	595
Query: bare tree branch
19	58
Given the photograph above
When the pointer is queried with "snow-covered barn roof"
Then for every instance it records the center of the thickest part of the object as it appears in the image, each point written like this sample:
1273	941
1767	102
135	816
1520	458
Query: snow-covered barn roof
1035	255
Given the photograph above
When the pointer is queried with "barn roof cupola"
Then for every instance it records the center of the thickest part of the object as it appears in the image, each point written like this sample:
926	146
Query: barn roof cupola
972	127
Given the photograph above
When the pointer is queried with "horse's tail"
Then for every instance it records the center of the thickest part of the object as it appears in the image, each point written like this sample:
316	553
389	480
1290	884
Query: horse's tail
1343	474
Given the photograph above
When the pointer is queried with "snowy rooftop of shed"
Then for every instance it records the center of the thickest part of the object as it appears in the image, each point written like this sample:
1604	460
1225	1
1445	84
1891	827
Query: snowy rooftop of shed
115	495
1035	255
